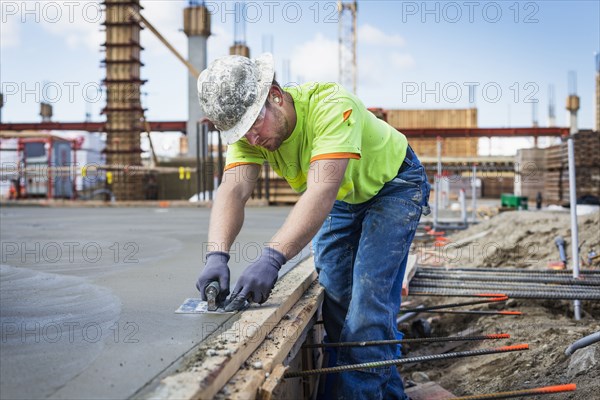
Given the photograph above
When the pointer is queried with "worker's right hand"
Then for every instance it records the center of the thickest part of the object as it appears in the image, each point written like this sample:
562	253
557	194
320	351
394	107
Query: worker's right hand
215	269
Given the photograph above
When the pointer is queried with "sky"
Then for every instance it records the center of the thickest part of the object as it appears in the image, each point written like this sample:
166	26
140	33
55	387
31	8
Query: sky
501	56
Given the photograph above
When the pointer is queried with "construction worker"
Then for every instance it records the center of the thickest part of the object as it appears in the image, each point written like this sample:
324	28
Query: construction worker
363	192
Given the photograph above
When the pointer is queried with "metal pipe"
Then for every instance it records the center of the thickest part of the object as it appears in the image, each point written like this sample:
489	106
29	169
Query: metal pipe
463	207
474	193
583	342
438	185
560	243
387	363
573	207
198	170
407	316
495	336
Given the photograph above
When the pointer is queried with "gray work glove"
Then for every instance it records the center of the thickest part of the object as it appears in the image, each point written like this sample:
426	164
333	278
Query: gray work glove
215	269
257	280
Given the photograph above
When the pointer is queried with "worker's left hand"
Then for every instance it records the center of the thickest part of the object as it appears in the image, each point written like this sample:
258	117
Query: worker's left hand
257	280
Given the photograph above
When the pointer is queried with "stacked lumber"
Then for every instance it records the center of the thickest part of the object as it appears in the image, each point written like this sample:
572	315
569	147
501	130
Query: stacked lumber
451	147
529	172
587	168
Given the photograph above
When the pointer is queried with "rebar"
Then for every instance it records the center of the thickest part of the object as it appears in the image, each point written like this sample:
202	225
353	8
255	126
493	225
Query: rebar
586	281
521	393
511	270
495	336
515	294
475	312
500	286
387	363
466	303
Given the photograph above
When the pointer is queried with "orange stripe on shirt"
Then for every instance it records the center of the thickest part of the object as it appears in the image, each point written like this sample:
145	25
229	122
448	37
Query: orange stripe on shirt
331	156
237	164
347	114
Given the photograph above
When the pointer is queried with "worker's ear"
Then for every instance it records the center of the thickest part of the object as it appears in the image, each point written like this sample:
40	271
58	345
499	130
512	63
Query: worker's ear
276	95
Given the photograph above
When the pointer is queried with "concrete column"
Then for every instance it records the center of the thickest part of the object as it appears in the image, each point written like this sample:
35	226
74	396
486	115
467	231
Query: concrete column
196	25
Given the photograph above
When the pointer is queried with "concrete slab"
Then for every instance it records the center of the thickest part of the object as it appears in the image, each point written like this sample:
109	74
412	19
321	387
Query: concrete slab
88	295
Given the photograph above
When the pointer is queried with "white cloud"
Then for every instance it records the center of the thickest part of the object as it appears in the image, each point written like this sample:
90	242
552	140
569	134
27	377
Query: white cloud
316	60
402	60
370	35
219	42
77	23
10	32
167	18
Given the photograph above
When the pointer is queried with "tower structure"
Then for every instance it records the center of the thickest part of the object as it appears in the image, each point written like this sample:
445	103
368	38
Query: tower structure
239	47
551	107
124	113
196	26
597	92
347	44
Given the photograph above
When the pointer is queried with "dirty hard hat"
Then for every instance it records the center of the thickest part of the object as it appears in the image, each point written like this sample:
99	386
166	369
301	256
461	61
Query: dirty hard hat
233	90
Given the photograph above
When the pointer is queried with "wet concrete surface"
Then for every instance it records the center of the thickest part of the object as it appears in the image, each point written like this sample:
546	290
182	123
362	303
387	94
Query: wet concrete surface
87	296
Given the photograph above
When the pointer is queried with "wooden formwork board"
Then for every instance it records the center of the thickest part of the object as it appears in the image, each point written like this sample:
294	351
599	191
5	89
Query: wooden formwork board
281	341
218	358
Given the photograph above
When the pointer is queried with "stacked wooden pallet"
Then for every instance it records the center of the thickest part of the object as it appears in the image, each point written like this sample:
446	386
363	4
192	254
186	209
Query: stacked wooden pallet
587	168
280	191
529	172
451	147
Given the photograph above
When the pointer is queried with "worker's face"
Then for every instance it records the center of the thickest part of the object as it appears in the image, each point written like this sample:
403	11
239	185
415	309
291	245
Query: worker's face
270	128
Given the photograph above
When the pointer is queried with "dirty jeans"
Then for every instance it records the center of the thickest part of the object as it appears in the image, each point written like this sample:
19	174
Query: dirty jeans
361	253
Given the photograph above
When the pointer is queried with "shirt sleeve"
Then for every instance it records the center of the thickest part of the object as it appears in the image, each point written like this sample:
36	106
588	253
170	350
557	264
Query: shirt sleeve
337	129
240	153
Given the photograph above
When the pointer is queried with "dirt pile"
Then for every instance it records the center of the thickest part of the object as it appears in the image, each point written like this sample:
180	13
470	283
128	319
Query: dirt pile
515	240
521	239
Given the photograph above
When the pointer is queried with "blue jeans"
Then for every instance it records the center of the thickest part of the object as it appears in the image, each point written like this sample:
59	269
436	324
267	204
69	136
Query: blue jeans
360	253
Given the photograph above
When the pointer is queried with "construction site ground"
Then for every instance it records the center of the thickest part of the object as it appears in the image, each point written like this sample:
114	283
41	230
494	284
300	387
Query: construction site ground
88	295
88	299
521	239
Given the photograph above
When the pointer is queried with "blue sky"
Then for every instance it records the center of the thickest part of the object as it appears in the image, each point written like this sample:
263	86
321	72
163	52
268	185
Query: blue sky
411	54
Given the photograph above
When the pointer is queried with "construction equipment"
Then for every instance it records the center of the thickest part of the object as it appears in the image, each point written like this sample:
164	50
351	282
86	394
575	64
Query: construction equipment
560	243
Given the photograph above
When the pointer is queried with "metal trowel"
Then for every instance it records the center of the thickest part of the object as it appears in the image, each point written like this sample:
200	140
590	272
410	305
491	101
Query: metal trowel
210	306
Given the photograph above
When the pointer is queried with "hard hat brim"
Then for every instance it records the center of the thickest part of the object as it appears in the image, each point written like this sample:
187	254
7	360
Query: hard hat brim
266	70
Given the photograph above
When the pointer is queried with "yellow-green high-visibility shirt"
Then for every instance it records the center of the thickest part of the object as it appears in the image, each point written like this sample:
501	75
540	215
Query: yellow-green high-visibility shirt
331	123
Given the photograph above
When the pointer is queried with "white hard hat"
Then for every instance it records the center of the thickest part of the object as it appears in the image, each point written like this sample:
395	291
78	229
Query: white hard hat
233	90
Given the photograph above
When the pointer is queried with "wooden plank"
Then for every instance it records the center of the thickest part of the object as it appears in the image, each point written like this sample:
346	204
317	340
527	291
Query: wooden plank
220	356
409	272
267	390
274	350
429	391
